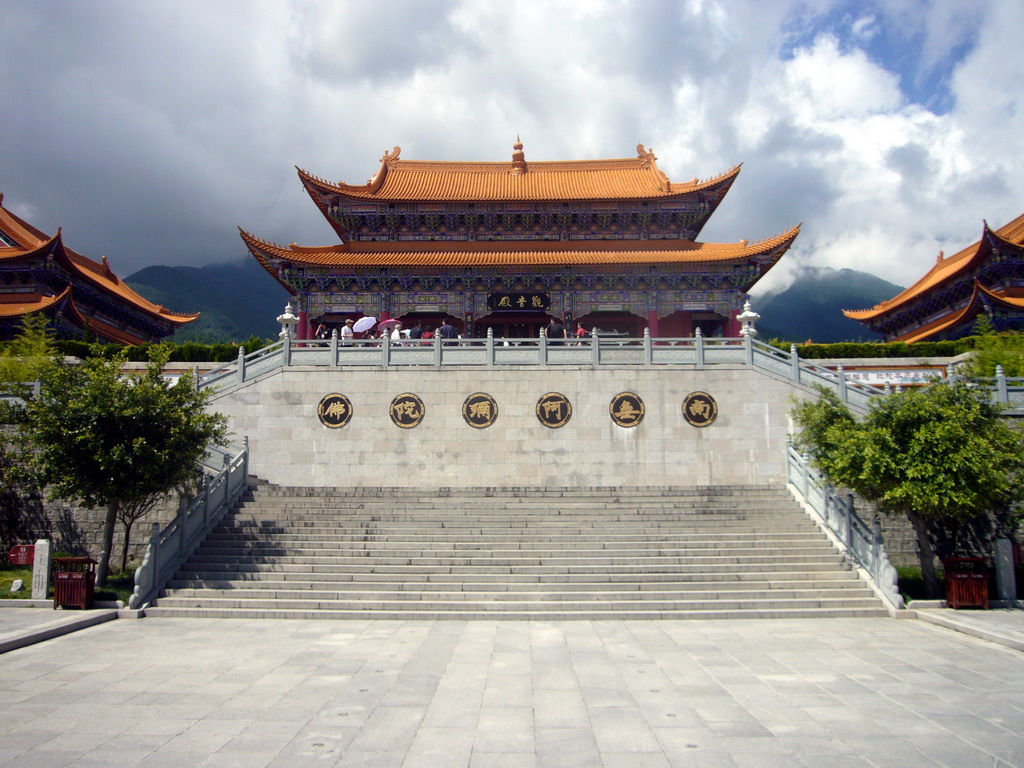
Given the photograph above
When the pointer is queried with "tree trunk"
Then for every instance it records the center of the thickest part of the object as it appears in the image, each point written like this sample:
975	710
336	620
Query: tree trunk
108	544
926	556
127	542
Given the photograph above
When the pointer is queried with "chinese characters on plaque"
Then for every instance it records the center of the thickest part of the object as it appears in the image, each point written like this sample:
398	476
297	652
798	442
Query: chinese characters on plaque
334	410
554	410
519	301
627	409
406	410
699	409
480	410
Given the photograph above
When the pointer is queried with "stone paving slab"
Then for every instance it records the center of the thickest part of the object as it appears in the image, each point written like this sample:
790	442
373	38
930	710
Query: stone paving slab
999	625
227	692
20	627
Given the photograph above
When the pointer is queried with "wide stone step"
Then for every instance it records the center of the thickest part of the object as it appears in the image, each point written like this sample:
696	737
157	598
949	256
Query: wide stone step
598	592
464	549
532	613
625	577
276	547
425	571
845	580
600	559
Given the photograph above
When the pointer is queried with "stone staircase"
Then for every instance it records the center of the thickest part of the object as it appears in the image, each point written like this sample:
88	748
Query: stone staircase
517	553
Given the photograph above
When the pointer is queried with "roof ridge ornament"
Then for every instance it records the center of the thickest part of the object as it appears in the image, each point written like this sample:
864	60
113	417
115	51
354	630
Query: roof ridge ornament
518	158
644	154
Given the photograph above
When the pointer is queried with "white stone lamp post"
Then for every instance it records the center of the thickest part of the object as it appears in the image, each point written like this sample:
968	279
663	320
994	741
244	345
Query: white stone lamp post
288	321
748	317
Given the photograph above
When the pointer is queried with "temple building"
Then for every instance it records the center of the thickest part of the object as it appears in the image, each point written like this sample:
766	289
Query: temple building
507	246
81	298
985	277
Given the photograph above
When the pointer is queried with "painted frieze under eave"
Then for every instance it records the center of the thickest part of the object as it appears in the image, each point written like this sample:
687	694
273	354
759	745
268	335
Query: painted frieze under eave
351	257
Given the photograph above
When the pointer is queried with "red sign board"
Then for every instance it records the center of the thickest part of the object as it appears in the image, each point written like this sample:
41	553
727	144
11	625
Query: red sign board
22	554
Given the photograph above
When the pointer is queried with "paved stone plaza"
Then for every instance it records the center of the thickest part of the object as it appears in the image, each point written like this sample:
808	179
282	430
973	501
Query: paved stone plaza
805	692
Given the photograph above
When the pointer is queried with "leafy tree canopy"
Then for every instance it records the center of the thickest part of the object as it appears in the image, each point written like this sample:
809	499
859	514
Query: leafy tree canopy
940	455
106	439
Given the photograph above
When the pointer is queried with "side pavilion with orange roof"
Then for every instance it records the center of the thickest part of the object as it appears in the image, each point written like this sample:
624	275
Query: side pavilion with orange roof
985	277
81	297
507	246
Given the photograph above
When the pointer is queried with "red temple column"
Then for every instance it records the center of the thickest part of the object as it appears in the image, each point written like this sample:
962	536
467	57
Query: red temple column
732	326
302	329
652	324
686	330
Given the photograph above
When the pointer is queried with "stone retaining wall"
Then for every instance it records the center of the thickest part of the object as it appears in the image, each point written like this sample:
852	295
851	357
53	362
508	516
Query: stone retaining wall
290	446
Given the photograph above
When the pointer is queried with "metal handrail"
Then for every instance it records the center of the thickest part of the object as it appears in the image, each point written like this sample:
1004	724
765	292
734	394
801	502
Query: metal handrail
857	539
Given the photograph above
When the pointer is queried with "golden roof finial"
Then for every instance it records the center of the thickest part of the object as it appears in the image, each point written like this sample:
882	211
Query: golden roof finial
518	158
942	255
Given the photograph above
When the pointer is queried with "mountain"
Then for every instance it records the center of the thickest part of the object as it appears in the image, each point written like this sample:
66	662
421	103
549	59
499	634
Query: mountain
236	300
240	299
811	308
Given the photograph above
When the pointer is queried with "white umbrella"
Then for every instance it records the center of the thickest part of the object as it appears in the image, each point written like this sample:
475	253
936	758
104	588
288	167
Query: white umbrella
364	324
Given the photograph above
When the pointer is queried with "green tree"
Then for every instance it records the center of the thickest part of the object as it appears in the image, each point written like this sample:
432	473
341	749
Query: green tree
992	349
27	355
939	455
106	439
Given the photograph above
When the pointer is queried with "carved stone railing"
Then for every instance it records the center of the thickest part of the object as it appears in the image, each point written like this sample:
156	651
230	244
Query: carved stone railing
170	547
491	352
861	542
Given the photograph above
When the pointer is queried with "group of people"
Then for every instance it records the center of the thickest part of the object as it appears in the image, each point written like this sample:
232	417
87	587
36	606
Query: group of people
557	333
393	331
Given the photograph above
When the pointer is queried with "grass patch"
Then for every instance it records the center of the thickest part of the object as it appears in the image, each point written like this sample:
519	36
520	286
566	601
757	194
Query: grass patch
120	585
912	583
8	574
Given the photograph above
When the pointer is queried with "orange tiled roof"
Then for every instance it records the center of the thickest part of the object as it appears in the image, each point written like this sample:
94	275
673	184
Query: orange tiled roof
965	313
944	270
30	242
15	305
629	178
533	252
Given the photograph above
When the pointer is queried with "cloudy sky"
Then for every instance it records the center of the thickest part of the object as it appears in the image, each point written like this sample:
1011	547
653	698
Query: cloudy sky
150	131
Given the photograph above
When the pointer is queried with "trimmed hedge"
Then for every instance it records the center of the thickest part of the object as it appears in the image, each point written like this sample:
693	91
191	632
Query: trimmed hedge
189	352
879	349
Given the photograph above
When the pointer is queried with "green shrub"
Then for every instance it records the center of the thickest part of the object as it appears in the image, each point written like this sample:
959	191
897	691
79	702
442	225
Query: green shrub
897	349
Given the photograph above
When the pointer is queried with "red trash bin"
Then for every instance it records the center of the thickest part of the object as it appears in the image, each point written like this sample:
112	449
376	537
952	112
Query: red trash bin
966	582
74	581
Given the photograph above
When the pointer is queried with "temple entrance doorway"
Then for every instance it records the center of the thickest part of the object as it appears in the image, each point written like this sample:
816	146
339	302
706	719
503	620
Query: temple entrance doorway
431	321
513	325
610	324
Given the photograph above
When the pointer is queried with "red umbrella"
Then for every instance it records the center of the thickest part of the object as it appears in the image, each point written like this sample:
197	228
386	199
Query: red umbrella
387	325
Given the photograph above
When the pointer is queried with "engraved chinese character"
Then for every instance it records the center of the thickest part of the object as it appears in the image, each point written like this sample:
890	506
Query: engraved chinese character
700	408
480	410
505	301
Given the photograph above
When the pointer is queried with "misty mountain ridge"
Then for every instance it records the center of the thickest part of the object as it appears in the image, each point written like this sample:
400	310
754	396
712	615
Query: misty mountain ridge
811	307
240	299
235	300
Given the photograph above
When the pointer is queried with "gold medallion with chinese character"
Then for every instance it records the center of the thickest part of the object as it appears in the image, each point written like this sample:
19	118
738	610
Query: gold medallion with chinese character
554	410
334	410
407	410
699	409
480	410
627	409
